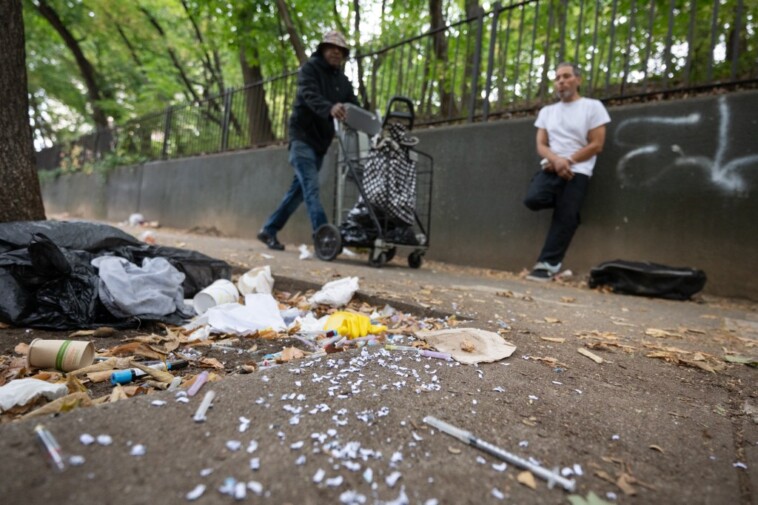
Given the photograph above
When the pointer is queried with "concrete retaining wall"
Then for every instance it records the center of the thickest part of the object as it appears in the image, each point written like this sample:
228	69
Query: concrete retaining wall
676	184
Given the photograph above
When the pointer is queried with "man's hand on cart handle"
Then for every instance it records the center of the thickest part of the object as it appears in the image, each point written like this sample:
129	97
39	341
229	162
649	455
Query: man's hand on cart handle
338	111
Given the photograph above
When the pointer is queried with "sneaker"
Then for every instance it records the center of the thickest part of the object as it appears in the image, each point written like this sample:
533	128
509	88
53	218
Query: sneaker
270	241
540	275
543	272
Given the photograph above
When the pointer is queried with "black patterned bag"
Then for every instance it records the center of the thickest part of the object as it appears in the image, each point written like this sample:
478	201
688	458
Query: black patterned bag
389	177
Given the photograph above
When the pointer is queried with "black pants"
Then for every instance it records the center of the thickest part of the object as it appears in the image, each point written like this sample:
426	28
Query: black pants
548	191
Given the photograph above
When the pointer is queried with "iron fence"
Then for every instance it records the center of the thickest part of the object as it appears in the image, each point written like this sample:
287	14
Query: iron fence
491	65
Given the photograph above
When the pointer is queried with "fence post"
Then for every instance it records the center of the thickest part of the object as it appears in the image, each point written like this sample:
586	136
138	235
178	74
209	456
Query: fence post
477	65
227	116
491	60
166	132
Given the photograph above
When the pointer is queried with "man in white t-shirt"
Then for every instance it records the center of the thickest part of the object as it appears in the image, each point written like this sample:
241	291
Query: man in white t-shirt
570	134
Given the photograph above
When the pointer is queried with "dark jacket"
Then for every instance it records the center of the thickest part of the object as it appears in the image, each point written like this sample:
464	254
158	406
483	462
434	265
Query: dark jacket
319	87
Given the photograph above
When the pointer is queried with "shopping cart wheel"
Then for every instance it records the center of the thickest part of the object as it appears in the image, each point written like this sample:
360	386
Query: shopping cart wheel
327	242
391	253
415	259
377	261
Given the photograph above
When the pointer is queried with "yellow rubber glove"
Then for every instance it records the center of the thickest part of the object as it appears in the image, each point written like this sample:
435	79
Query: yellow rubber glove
352	325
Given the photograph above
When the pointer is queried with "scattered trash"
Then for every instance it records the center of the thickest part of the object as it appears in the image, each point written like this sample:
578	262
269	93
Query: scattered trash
336	293
199	416
220	292
51	447
136	219
199	381
487	346
256	280
64	355
467	437
352	325
304	252
21	391
148	237
196	493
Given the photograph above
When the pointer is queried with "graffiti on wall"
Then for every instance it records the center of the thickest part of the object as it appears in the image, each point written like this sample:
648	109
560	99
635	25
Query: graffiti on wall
725	173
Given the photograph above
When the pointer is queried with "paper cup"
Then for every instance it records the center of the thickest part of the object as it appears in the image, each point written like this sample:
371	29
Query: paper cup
63	355
257	280
220	292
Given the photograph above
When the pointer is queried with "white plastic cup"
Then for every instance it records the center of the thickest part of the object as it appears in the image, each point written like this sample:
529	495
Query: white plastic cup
63	355
220	292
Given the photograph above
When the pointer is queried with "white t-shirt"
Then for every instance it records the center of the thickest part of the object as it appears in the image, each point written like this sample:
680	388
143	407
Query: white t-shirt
567	126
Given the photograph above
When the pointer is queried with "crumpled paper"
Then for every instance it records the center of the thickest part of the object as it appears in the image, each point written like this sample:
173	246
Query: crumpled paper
22	391
469	345
336	293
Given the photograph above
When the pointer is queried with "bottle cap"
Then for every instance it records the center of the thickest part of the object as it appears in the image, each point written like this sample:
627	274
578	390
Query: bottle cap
121	377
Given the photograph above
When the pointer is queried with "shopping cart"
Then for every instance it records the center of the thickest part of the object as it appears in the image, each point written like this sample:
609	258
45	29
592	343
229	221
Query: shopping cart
382	198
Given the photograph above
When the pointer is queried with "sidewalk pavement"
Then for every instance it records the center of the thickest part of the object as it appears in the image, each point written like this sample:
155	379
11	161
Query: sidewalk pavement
662	419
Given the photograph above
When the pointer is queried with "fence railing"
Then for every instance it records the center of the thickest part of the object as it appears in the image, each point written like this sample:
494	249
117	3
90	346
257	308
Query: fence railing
492	65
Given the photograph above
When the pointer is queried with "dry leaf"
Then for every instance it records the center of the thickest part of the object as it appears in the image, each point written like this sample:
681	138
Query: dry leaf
22	349
159	375
210	363
557	340
526	478
137	349
625	482
658	333
656	448
117	394
594	357
74	385
568	299
289	354
552	320
105	332
82	333
64	404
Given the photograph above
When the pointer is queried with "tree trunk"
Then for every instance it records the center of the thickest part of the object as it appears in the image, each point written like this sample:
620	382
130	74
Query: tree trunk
447	97
258	119
20	195
94	92
297	44
359	61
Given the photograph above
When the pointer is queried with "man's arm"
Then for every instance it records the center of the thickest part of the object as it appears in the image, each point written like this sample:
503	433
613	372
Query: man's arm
562	166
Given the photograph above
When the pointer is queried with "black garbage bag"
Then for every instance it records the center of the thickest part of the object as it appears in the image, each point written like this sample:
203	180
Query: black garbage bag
47	279
648	279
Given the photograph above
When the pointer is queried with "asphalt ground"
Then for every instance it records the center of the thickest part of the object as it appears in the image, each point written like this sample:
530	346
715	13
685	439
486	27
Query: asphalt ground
664	418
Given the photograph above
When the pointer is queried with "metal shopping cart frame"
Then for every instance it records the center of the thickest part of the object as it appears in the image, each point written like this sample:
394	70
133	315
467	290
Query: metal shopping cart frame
353	152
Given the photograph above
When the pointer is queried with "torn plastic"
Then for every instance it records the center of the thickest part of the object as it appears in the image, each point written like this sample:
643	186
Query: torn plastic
47	281
21	391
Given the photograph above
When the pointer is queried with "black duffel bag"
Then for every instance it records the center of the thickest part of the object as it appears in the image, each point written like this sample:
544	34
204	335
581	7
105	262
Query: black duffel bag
648	279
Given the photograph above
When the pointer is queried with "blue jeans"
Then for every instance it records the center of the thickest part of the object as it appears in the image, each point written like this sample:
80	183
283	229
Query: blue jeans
548	191
307	165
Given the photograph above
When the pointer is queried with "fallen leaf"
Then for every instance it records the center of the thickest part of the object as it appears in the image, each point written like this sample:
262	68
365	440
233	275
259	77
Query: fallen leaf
557	340
658	333
568	299
592	499
82	333
64	404
137	349
117	394
159	375
552	320
210	363
22	349
594	357
656	448
624	482
289	354
526	478
743	360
